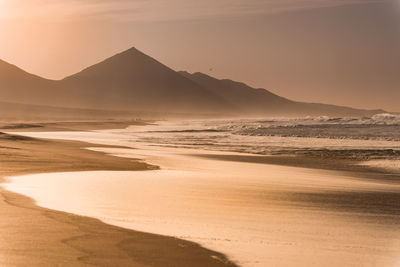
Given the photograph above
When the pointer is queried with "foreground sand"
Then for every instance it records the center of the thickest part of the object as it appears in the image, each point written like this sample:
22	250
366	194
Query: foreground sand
34	236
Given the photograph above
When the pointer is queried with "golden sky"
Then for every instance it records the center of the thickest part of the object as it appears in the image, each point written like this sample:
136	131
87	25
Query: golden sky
333	51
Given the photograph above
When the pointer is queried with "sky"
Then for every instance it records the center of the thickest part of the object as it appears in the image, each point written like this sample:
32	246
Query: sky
343	52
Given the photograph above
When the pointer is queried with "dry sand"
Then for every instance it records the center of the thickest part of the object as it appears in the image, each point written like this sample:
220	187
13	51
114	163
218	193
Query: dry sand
34	236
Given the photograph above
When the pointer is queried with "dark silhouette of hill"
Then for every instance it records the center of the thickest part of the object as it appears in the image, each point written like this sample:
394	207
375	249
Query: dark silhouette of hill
261	101
18	86
243	97
134	82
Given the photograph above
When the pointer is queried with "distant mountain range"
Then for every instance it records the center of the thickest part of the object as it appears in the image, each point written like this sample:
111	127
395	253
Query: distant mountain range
136	83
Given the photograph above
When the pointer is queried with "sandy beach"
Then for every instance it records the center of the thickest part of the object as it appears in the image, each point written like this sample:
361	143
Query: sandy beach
302	216
43	237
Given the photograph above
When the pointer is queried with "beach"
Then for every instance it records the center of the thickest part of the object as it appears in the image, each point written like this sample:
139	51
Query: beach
44	237
257	210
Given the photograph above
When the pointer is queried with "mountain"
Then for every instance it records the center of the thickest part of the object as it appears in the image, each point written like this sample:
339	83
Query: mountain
243	97
19	86
134	82
129	81
255	101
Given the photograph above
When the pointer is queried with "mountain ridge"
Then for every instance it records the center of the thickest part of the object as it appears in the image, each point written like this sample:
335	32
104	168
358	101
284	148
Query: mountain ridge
143	81
277	102
133	81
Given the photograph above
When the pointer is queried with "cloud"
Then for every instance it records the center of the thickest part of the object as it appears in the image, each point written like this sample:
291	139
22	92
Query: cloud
157	10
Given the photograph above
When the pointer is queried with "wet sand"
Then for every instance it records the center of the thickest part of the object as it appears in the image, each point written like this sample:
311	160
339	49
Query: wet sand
354	167
34	236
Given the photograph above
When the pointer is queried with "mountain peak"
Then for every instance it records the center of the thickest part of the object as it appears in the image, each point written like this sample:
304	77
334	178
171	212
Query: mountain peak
131	51
125	63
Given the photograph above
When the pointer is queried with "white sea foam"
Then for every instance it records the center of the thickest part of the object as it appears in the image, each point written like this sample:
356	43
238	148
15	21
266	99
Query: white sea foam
275	134
359	140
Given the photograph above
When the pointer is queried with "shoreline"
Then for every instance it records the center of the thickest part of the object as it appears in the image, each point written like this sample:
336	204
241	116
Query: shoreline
337	200
44	237
346	166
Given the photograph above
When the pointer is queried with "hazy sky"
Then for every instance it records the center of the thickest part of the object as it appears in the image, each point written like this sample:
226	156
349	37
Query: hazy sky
333	51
